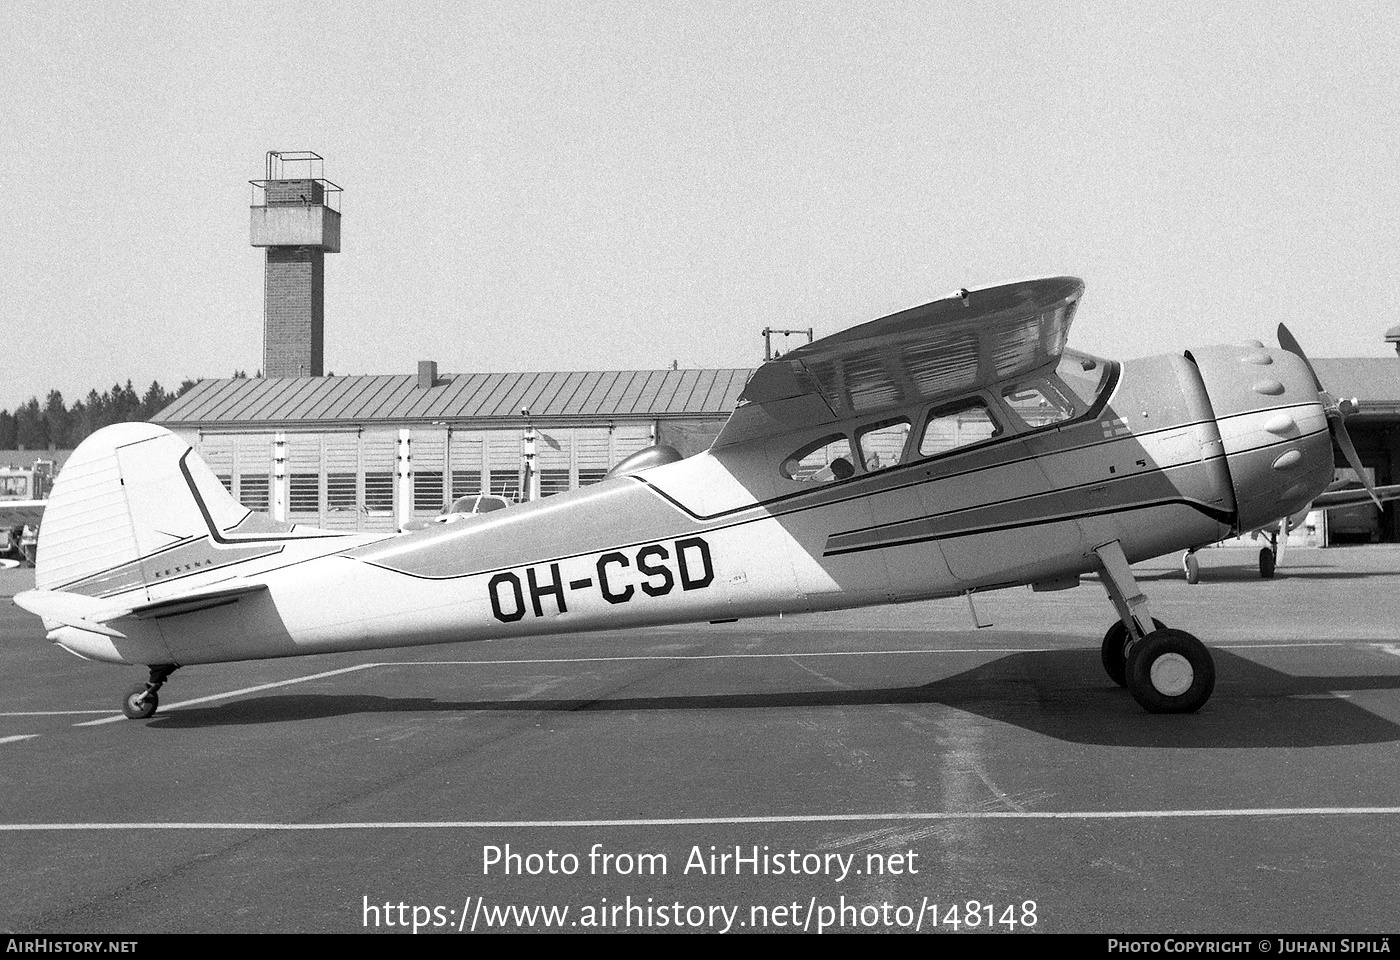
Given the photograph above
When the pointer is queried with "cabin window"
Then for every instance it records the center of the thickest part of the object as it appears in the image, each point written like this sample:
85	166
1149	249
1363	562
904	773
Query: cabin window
427	491
379	493
554	480
504	483
957	425
305	493
1037	403
882	445
253	491
342	492
821	462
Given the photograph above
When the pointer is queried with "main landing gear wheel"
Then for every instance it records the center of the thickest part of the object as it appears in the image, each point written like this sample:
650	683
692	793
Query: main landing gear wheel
140	702
1113	652
1192	565
1267	561
1170	671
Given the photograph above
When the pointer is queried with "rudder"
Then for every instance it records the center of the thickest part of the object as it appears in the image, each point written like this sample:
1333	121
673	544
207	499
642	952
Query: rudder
130	490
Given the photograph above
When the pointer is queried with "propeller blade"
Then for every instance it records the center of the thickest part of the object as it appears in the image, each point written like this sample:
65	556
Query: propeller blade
1335	416
1289	343
1339	432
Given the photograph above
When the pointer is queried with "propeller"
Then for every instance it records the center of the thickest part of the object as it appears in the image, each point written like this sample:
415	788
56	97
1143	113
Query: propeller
1336	412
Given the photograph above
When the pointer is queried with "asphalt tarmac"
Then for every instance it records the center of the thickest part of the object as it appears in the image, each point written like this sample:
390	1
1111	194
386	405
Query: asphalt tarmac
879	770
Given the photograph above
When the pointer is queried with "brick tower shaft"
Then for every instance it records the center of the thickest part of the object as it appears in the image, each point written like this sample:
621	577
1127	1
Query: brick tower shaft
298	227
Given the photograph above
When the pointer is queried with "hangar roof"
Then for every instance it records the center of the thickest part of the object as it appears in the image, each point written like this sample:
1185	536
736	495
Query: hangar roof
357	399
24	459
650	394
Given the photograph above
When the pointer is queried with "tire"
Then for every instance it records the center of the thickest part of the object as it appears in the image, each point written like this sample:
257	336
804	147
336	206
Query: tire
1193	569
1267	561
1114	662
1171	671
135	710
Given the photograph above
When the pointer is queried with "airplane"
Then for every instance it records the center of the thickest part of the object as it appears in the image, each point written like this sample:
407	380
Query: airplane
1339	495
468	508
945	450
18	518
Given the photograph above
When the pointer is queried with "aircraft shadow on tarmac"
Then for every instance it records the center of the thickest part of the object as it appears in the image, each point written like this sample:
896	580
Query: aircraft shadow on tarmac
1057	693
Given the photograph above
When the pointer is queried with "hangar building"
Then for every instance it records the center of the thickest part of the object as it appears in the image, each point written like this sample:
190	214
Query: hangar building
373	452
1375	432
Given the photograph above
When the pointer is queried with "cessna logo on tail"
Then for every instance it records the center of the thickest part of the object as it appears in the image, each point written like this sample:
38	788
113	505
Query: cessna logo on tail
683	564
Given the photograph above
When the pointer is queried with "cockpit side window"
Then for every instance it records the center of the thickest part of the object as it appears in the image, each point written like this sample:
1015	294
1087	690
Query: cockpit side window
825	460
957	425
882	444
1037	403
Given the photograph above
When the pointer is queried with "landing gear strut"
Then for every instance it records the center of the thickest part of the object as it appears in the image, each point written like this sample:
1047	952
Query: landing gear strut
141	702
1166	671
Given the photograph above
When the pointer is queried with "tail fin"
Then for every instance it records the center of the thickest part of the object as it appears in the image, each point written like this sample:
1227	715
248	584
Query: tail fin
129	491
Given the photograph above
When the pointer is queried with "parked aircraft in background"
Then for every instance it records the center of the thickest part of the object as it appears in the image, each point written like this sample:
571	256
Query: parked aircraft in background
1341	495
22	492
951	448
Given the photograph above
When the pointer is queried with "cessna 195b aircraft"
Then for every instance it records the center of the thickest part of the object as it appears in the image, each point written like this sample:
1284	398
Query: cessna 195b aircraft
950	448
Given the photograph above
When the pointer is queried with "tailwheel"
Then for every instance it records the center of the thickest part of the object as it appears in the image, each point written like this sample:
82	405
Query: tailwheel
1192	565
140	702
1170	671
1114	651
1267	561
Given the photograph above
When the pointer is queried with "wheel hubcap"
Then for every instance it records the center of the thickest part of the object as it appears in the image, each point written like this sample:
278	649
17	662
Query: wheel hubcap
1172	674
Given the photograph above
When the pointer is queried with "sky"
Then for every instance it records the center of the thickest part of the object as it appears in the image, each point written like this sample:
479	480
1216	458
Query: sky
620	185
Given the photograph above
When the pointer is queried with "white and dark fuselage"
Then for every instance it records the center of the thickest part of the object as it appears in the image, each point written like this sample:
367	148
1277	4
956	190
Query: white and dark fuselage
1168	453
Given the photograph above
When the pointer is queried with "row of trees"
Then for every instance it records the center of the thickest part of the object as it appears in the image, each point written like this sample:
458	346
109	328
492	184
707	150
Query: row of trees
37	427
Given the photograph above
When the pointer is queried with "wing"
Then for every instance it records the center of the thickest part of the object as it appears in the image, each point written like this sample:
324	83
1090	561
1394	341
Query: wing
943	348
1347	498
14	513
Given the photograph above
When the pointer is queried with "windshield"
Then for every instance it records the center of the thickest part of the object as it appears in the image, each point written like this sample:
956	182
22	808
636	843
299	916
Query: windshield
1085	376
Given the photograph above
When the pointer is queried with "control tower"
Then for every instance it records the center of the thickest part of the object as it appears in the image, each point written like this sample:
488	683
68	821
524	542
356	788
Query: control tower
296	217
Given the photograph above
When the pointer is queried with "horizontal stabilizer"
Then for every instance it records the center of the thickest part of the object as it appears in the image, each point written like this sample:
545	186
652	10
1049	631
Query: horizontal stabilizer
69	609
89	613
192	600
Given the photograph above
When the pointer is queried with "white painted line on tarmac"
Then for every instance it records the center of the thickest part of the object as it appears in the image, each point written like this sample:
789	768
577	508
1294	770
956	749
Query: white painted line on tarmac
726	821
17	739
714	656
1299	643
238	693
52	713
